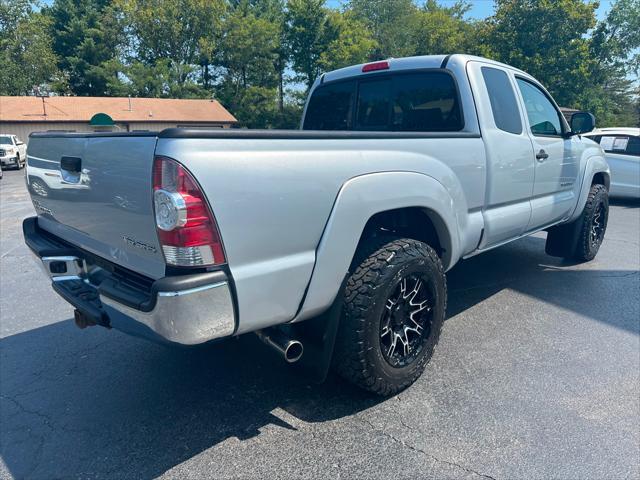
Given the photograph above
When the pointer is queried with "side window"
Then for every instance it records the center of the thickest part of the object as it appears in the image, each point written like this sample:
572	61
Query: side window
543	116
633	147
622	144
330	107
373	105
504	106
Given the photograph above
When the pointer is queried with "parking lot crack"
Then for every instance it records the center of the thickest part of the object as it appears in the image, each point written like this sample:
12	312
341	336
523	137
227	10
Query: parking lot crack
22	409
423	452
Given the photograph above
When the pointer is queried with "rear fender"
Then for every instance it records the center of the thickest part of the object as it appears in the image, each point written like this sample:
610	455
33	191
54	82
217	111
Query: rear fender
359	199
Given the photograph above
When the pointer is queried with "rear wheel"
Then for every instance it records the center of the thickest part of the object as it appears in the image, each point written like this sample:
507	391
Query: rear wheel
394	307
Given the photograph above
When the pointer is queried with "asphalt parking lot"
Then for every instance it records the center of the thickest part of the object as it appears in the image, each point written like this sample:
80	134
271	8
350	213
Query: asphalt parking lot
537	375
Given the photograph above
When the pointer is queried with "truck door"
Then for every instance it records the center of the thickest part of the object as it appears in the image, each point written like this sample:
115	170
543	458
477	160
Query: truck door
556	157
510	165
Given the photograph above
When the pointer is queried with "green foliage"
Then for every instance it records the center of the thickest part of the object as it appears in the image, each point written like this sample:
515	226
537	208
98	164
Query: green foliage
615	48
546	38
168	39
392	24
307	37
350	42
439	29
25	49
85	39
258	57
250	48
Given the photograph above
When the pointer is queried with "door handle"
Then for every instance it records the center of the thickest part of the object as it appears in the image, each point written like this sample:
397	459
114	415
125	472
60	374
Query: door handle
541	156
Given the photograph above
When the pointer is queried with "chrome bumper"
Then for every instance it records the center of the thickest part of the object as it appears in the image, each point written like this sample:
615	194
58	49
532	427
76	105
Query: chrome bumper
187	310
9	160
188	317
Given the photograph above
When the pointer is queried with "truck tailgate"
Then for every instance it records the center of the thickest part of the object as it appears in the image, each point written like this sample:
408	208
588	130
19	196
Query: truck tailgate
95	192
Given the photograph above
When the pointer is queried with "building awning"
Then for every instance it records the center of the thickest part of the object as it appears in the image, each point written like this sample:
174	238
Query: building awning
101	120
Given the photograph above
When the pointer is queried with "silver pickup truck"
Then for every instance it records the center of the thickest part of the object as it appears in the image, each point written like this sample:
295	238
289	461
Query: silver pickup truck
330	242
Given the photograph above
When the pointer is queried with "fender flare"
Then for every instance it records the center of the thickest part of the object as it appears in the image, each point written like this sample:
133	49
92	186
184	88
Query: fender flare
593	165
358	200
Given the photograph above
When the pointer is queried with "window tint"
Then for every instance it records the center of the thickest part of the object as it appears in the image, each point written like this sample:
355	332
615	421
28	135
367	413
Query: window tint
505	109
425	102
330	107
5	140
623	144
373	105
633	147
407	102
543	116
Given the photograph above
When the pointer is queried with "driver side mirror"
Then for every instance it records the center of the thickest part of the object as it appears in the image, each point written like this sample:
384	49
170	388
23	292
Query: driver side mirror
582	122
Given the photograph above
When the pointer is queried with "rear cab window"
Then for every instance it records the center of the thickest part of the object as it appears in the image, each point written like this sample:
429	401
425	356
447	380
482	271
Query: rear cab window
331	107
423	101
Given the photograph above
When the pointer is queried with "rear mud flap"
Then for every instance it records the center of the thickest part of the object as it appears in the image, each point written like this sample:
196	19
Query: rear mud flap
318	335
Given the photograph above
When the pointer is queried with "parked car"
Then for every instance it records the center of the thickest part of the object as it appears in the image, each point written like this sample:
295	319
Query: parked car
622	151
332	240
13	151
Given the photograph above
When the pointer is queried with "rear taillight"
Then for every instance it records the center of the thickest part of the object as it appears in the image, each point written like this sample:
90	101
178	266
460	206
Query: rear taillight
186	227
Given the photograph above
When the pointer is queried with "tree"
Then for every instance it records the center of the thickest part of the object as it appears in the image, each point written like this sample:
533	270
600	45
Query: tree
174	38
86	39
350	42
615	46
548	39
307	37
274	12
26	56
439	29
249	49
391	22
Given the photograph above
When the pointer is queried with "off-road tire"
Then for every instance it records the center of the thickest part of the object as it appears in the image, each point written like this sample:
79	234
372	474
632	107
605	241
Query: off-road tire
586	249
358	355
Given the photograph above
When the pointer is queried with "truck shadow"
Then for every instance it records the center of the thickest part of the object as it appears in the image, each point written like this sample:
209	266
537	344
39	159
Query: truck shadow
100	404
625	202
524	267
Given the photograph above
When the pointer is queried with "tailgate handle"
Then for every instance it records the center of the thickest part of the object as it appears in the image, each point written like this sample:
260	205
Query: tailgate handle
71	164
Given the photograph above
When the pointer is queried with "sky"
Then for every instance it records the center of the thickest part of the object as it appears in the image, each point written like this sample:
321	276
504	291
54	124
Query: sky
479	8
484	8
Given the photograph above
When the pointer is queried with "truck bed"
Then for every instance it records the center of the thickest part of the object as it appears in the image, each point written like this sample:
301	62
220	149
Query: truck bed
272	230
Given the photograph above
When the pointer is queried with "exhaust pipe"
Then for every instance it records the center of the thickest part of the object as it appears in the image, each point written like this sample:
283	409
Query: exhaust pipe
290	349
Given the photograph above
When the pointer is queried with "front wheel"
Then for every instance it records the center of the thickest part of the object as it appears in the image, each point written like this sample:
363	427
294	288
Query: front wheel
394	308
580	240
593	224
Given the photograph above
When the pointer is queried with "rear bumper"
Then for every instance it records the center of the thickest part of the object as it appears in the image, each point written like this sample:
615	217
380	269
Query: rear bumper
188	309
